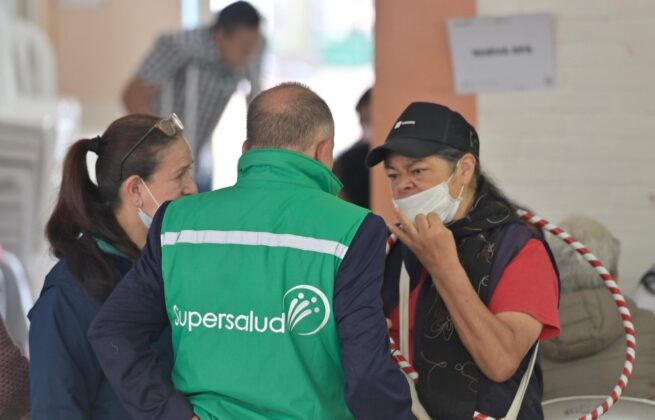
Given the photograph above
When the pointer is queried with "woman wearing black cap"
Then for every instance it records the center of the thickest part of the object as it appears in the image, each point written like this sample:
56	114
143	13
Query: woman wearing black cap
97	231
471	288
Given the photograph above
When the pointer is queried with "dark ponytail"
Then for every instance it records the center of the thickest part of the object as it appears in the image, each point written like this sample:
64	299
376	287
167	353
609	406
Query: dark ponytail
85	211
482	180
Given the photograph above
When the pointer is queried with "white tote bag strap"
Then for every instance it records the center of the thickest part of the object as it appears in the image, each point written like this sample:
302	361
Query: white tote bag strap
417	409
403	311
514	409
403	333
403	329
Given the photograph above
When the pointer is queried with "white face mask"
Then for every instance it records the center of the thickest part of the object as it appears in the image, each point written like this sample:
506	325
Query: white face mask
145	218
434	200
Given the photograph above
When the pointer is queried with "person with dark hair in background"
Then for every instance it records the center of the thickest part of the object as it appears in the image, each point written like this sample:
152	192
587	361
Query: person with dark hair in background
271	288
97	231
14	379
470	288
350	167
194	74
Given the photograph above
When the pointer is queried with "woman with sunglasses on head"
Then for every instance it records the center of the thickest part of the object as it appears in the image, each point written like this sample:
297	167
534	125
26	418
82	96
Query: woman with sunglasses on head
97	231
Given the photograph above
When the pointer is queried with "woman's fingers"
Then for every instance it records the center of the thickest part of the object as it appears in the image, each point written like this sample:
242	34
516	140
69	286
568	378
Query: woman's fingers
407	226
434	220
422	224
400	234
406	232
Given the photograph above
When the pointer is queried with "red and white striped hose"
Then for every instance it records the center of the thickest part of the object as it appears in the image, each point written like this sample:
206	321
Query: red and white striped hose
398	357
630	354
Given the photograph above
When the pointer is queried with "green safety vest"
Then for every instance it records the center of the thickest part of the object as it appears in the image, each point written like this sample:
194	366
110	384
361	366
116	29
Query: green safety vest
249	280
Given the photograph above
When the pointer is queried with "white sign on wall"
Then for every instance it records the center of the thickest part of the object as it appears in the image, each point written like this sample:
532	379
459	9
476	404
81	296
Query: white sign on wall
80	4
502	53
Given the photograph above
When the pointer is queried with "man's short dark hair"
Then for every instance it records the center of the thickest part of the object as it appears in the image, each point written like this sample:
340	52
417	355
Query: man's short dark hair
365	100
288	116
235	15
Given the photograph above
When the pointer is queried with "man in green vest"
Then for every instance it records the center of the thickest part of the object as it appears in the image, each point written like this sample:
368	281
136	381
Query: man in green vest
271	288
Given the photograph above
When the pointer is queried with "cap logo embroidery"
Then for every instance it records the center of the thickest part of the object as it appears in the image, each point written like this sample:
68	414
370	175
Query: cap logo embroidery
401	123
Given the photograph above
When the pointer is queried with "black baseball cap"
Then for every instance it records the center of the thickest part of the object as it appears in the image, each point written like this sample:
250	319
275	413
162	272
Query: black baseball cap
425	129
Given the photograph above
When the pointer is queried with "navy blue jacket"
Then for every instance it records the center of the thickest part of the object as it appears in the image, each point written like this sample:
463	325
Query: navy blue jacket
66	379
375	388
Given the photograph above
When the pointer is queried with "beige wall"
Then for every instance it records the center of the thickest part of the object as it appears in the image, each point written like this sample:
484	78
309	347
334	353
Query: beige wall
587	146
412	63
99	48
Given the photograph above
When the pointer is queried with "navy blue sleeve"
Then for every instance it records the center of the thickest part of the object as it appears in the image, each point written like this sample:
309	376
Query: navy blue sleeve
133	317
63	372
375	387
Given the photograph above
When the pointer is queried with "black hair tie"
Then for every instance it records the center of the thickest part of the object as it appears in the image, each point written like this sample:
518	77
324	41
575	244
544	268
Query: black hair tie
94	145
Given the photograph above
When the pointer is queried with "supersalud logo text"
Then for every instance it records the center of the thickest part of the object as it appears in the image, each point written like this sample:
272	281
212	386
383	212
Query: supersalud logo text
306	311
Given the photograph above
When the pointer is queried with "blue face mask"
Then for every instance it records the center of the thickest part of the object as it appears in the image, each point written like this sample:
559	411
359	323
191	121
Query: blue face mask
145	218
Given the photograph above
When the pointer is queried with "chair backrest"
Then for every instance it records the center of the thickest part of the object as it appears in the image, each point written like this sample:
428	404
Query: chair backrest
574	407
34	61
27	61
22	162
18	297
8	85
36	127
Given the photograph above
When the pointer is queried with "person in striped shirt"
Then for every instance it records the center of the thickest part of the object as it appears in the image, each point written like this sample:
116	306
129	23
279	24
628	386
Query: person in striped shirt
194	73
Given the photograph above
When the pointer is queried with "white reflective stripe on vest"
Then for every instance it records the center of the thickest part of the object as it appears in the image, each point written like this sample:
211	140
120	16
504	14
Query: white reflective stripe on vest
238	237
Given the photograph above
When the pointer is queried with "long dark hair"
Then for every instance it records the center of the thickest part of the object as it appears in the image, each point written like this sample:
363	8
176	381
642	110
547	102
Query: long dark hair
85	211
452	156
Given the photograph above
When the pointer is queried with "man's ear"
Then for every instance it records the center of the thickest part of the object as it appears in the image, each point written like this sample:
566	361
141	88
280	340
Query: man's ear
324	152
245	146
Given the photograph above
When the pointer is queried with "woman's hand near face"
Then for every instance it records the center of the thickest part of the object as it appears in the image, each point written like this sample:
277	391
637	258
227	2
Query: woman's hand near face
431	241
497	342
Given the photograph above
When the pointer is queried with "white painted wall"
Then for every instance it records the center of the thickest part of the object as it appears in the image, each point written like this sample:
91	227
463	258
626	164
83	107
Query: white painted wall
588	146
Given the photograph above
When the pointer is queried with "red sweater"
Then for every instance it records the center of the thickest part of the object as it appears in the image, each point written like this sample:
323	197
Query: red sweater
528	285
14	379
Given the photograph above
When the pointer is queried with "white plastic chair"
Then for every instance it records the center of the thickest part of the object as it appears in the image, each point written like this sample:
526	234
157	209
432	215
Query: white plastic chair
27	62
574	407
17	296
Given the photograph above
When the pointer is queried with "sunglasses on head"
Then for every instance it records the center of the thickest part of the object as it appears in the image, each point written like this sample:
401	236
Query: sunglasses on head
169	126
